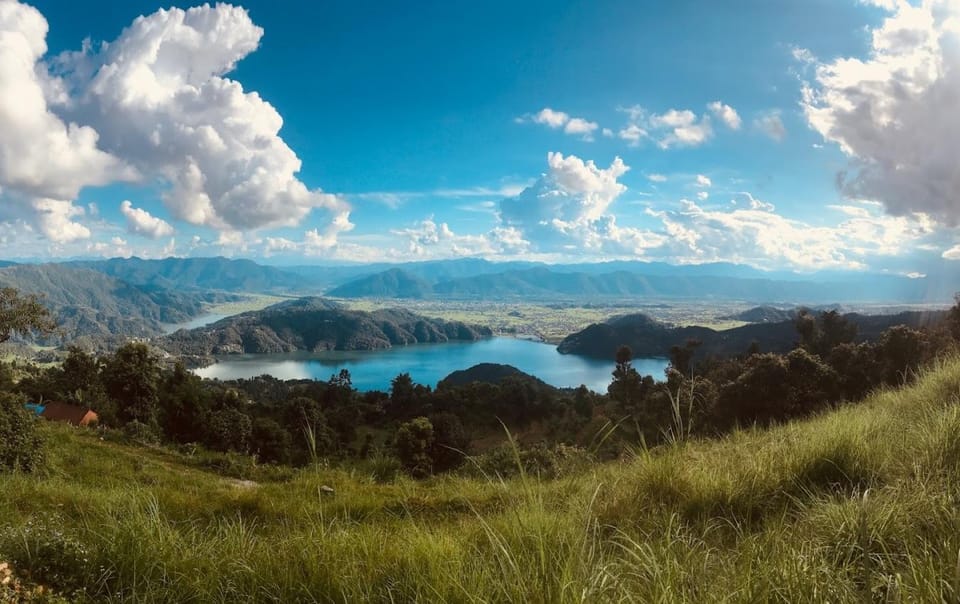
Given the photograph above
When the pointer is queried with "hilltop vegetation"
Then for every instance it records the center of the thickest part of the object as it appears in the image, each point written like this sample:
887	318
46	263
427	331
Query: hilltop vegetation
316	324
648	337
856	504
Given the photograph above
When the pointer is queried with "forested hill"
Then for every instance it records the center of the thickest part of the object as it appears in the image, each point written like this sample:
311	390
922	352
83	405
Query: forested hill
314	324
89	303
648	337
225	274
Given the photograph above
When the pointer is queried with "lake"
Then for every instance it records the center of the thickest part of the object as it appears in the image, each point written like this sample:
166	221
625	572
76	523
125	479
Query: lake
429	363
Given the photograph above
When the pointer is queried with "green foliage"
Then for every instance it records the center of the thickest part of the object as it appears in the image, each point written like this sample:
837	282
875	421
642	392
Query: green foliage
22	315
132	378
415	442
21	445
43	553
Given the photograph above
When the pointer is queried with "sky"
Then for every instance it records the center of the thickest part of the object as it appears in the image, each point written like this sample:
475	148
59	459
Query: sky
800	135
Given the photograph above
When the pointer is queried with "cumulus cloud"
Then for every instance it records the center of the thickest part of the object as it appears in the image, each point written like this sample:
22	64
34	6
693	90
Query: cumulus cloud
753	233
551	118
560	119
703	181
141	222
581	126
894	113
771	124
726	114
44	160
673	128
567	211
158	97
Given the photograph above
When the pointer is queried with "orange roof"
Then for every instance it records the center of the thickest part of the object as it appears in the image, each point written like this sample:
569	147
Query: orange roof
63	412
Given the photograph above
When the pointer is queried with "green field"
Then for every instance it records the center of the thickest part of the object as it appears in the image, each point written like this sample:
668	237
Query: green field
552	323
249	303
858	504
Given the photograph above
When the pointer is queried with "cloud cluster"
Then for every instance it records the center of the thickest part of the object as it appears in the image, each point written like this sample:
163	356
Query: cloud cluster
726	114
561	120
894	113
770	123
44	160
158	97
751	232
675	127
568	212
141	222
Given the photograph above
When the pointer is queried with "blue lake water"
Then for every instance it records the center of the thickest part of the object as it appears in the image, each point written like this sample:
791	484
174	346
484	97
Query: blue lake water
429	363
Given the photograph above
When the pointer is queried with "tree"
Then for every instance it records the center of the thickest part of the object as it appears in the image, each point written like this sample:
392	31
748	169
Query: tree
22	315
132	378
627	387
450	441
402	395
270	441
21	446
414	443
681	357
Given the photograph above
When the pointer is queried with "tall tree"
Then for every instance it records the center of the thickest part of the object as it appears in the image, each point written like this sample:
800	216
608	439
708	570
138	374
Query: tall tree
132	379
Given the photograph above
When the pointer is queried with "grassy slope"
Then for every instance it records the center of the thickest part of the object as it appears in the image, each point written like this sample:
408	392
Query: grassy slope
860	503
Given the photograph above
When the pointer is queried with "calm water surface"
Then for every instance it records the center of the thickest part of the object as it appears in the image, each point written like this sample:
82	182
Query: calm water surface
429	363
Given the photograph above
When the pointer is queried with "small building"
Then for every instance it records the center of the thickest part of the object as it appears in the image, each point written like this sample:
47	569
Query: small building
35	408
64	412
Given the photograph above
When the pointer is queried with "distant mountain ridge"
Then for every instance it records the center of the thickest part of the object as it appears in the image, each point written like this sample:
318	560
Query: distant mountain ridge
224	274
547	283
315	324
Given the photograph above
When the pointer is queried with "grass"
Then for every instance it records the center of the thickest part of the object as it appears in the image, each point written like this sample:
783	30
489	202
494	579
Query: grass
858	504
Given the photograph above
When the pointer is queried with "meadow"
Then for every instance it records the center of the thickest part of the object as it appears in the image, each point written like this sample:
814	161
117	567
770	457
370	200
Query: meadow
859	503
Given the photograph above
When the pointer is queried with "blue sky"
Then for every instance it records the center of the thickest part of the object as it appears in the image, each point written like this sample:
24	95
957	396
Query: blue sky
580	131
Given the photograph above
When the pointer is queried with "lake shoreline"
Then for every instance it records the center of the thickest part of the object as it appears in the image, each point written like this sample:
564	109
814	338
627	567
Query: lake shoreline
427	363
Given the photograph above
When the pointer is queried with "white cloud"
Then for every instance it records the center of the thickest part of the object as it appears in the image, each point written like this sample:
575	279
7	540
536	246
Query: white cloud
952	253
702	195
727	114
157	96
551	118
771	124
44	160
894	113
674	128
758	236
704	181
581	126
683	129
567	211
656	178
141	222
560	119
633	134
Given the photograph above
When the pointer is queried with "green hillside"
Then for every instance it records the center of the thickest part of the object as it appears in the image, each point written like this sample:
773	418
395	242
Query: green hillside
857	504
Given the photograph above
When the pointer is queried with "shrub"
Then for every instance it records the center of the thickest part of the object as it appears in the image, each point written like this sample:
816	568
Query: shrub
21	446
42	553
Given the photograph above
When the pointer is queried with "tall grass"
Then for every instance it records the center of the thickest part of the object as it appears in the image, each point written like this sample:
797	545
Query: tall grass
858	504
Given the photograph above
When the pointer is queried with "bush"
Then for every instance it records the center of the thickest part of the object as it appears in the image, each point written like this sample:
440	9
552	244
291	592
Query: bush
42	553
21	446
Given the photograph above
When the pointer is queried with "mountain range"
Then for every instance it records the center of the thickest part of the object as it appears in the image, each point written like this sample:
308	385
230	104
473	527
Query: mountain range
543	283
